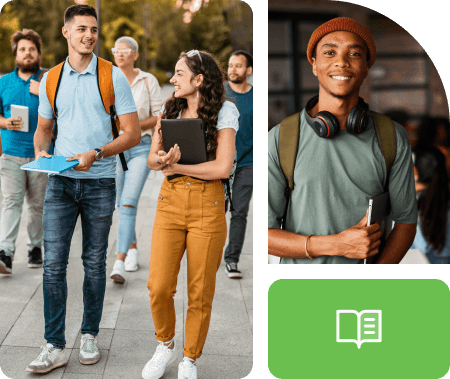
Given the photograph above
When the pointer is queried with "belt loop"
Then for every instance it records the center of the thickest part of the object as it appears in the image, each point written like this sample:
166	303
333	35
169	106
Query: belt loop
203	187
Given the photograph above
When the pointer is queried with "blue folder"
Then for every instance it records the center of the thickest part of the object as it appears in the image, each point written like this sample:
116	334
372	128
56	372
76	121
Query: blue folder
53	165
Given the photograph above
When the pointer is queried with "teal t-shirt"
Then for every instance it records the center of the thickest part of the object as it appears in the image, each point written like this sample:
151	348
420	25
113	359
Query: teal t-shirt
334	180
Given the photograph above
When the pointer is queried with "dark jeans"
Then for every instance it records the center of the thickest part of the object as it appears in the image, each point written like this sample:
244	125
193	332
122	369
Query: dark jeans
241	196
65	199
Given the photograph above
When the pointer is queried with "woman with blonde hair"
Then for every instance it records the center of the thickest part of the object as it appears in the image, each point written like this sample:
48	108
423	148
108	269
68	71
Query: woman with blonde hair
147	96
191	211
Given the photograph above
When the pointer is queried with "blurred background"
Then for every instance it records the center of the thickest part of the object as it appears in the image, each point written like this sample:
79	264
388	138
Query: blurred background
403	77
403	84
162	28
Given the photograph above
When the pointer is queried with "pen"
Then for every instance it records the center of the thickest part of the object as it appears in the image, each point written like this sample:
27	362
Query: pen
369	216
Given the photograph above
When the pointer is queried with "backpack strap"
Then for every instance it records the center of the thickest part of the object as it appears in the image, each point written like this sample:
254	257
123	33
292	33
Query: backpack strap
52	87
287	151
387	139
288	146
42	74
106	88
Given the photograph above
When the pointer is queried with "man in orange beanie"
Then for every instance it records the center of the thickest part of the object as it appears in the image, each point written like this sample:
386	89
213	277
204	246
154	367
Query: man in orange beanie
340	164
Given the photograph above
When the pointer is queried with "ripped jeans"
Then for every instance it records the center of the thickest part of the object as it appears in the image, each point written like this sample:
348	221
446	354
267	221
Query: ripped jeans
65	199
129	186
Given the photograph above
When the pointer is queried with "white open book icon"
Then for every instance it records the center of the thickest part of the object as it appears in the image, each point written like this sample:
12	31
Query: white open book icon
368	326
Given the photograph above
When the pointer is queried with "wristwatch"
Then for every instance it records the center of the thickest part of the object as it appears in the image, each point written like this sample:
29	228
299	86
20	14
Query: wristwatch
98	155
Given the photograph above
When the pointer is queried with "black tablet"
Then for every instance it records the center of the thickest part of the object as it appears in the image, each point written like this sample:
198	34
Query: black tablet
189	134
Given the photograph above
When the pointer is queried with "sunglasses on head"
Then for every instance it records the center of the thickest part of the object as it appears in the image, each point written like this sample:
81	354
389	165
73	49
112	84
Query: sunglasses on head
191	53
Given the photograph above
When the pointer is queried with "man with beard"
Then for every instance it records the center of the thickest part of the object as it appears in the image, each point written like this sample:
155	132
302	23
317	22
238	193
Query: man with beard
240	66
21	87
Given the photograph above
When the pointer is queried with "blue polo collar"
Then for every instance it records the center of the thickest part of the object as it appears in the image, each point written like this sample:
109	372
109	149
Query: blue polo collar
90	69
34	77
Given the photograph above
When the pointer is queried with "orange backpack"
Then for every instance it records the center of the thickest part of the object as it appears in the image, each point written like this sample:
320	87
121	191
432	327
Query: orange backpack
105	87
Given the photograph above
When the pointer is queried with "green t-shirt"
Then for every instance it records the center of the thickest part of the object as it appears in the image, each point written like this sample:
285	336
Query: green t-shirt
334	180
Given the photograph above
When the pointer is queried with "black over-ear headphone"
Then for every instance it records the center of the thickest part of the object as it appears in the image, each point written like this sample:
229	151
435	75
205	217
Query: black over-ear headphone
326	125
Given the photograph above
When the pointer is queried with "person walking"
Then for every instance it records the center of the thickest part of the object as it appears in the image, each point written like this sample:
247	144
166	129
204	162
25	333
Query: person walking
21	87
190	213
89	190
129	184
240	66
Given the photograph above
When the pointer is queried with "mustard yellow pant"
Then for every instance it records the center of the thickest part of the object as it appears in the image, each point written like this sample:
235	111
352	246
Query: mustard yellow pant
190	216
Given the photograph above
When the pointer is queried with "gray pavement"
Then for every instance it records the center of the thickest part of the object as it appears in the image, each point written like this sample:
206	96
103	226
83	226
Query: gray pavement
126	338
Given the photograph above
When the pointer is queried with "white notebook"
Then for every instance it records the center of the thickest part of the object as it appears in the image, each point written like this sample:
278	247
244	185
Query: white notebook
21	112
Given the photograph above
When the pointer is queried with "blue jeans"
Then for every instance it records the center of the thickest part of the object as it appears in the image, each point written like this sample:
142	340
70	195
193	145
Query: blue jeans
129	188
65	199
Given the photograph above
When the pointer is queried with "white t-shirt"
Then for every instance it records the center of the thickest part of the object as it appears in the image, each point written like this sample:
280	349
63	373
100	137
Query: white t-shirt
148	101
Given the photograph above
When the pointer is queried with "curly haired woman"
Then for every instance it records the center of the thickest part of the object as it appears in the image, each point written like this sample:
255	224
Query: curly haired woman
191	211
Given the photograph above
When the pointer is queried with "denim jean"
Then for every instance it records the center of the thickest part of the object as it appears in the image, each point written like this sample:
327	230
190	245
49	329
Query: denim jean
241	196
129	186
65	199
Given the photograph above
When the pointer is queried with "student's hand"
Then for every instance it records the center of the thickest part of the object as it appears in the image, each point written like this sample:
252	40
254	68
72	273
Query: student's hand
34	87
86	160
171	157
43	153
14	123
359	241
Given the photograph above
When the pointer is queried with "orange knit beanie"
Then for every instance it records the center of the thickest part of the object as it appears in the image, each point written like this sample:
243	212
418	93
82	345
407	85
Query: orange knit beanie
343	24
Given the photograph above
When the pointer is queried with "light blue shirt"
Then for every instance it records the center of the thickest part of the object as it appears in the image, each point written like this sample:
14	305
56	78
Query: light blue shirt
83	123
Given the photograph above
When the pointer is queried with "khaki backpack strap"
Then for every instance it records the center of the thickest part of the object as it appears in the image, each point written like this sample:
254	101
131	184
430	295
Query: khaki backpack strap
149	98
52	85
387	139
288	146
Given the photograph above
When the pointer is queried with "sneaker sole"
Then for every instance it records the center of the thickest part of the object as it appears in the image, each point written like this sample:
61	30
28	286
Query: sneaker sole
233	275
171	360
4	269
117	278
47	370
88	362
34	265
131	269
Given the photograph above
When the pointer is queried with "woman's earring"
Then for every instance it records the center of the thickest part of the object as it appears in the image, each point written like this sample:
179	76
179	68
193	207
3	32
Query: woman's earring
197	93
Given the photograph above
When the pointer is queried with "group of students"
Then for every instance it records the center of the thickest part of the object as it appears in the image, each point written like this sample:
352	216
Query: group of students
190	212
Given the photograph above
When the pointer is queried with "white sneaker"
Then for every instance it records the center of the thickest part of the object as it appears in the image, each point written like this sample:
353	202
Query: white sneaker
187	369
118	272
131	261
49	358
155	367
89	353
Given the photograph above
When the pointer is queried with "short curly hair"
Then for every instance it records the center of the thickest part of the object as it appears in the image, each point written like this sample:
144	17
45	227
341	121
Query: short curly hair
28	34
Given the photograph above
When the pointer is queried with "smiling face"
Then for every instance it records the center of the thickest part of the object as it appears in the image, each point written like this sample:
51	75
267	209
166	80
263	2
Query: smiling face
27	57
238	71
81	34
340	64
185	84
125	60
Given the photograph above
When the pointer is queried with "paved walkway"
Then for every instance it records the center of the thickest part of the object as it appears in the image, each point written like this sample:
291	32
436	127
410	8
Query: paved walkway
126	339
